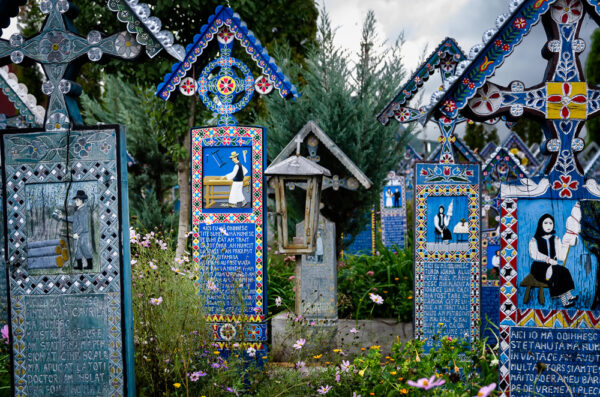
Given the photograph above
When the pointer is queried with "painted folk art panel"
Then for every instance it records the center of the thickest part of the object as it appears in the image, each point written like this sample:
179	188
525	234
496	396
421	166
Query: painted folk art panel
550	295
228	230
447	250
393	211
67	240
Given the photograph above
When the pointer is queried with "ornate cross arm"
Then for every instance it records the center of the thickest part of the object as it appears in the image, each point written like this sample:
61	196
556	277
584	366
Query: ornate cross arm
59	50
147	29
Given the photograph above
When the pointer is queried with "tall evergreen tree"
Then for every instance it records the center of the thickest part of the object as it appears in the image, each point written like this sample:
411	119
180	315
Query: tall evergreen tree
344	101
529	130
477	136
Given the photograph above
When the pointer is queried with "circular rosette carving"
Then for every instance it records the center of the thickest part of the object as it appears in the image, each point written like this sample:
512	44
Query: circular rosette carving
219	90
225	36
566	11
188	86
487	100
227	332
263	85
126	46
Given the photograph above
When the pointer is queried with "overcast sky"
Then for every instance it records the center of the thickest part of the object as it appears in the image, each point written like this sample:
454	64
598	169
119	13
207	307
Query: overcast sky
426	23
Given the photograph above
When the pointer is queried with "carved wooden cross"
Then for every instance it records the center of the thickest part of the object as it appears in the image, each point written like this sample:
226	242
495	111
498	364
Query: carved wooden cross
58	49
563	100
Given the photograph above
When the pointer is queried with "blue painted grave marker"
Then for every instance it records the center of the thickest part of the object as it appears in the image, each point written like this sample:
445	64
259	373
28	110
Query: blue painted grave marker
393	211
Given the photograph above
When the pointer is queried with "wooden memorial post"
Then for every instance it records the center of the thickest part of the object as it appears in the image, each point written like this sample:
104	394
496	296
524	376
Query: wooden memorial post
447	217
549	290
67	223
228	184
316	274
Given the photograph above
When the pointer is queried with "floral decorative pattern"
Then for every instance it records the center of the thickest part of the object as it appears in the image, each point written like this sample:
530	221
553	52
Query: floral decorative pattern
567	100
55	46
126	46
444	173
566	11
82	147
565	186
263	85
487	100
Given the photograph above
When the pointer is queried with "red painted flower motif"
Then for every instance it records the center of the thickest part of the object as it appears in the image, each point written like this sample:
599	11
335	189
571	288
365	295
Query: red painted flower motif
520	23
471	85
449	105
226	141
506	47
446	171
429	67
498	43
469	173
565	185
424	172
466	81
565	99
487	100
402	114
567	11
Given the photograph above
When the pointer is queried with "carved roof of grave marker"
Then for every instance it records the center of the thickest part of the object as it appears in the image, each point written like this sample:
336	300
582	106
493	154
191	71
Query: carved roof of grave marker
226	16
296	165
447	48
487	150
515	141
312	127
147	28
504	156
17	93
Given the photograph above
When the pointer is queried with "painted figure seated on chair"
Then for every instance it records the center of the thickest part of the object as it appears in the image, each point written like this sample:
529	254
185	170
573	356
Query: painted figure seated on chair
546	249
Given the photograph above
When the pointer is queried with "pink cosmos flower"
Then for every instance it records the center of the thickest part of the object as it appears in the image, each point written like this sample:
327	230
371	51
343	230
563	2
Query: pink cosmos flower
156	301
278	301
5	335
486	390
152	265
370	273
426	384
376	298
354	331
324	389
299	343
345	365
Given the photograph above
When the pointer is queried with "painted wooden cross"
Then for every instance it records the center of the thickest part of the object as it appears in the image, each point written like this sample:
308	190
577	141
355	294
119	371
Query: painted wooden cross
564	101
58	49
549	266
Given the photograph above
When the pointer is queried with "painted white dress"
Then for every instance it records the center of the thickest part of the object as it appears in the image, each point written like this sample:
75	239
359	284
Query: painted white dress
237	187
388	199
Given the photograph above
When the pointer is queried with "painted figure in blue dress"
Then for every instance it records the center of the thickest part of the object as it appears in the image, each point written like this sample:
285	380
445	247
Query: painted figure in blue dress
442	222
546	250
81	230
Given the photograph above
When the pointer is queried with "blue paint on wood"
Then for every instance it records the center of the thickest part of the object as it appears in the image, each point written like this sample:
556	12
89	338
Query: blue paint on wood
490	313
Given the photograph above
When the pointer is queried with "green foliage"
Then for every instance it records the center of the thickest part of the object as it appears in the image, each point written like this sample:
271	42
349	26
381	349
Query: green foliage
529	130
460	369
151	177
592	73
281	282
343	100
477	136
388	274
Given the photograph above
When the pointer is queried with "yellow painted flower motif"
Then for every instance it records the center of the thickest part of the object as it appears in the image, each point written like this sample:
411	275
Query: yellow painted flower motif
177	385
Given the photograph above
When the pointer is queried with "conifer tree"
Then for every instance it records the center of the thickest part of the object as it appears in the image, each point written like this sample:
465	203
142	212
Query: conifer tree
344	100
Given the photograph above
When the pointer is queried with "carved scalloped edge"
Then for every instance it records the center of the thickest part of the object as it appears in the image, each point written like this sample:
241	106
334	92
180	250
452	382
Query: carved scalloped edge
153	25
405	93
488	35
250	43
27	102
